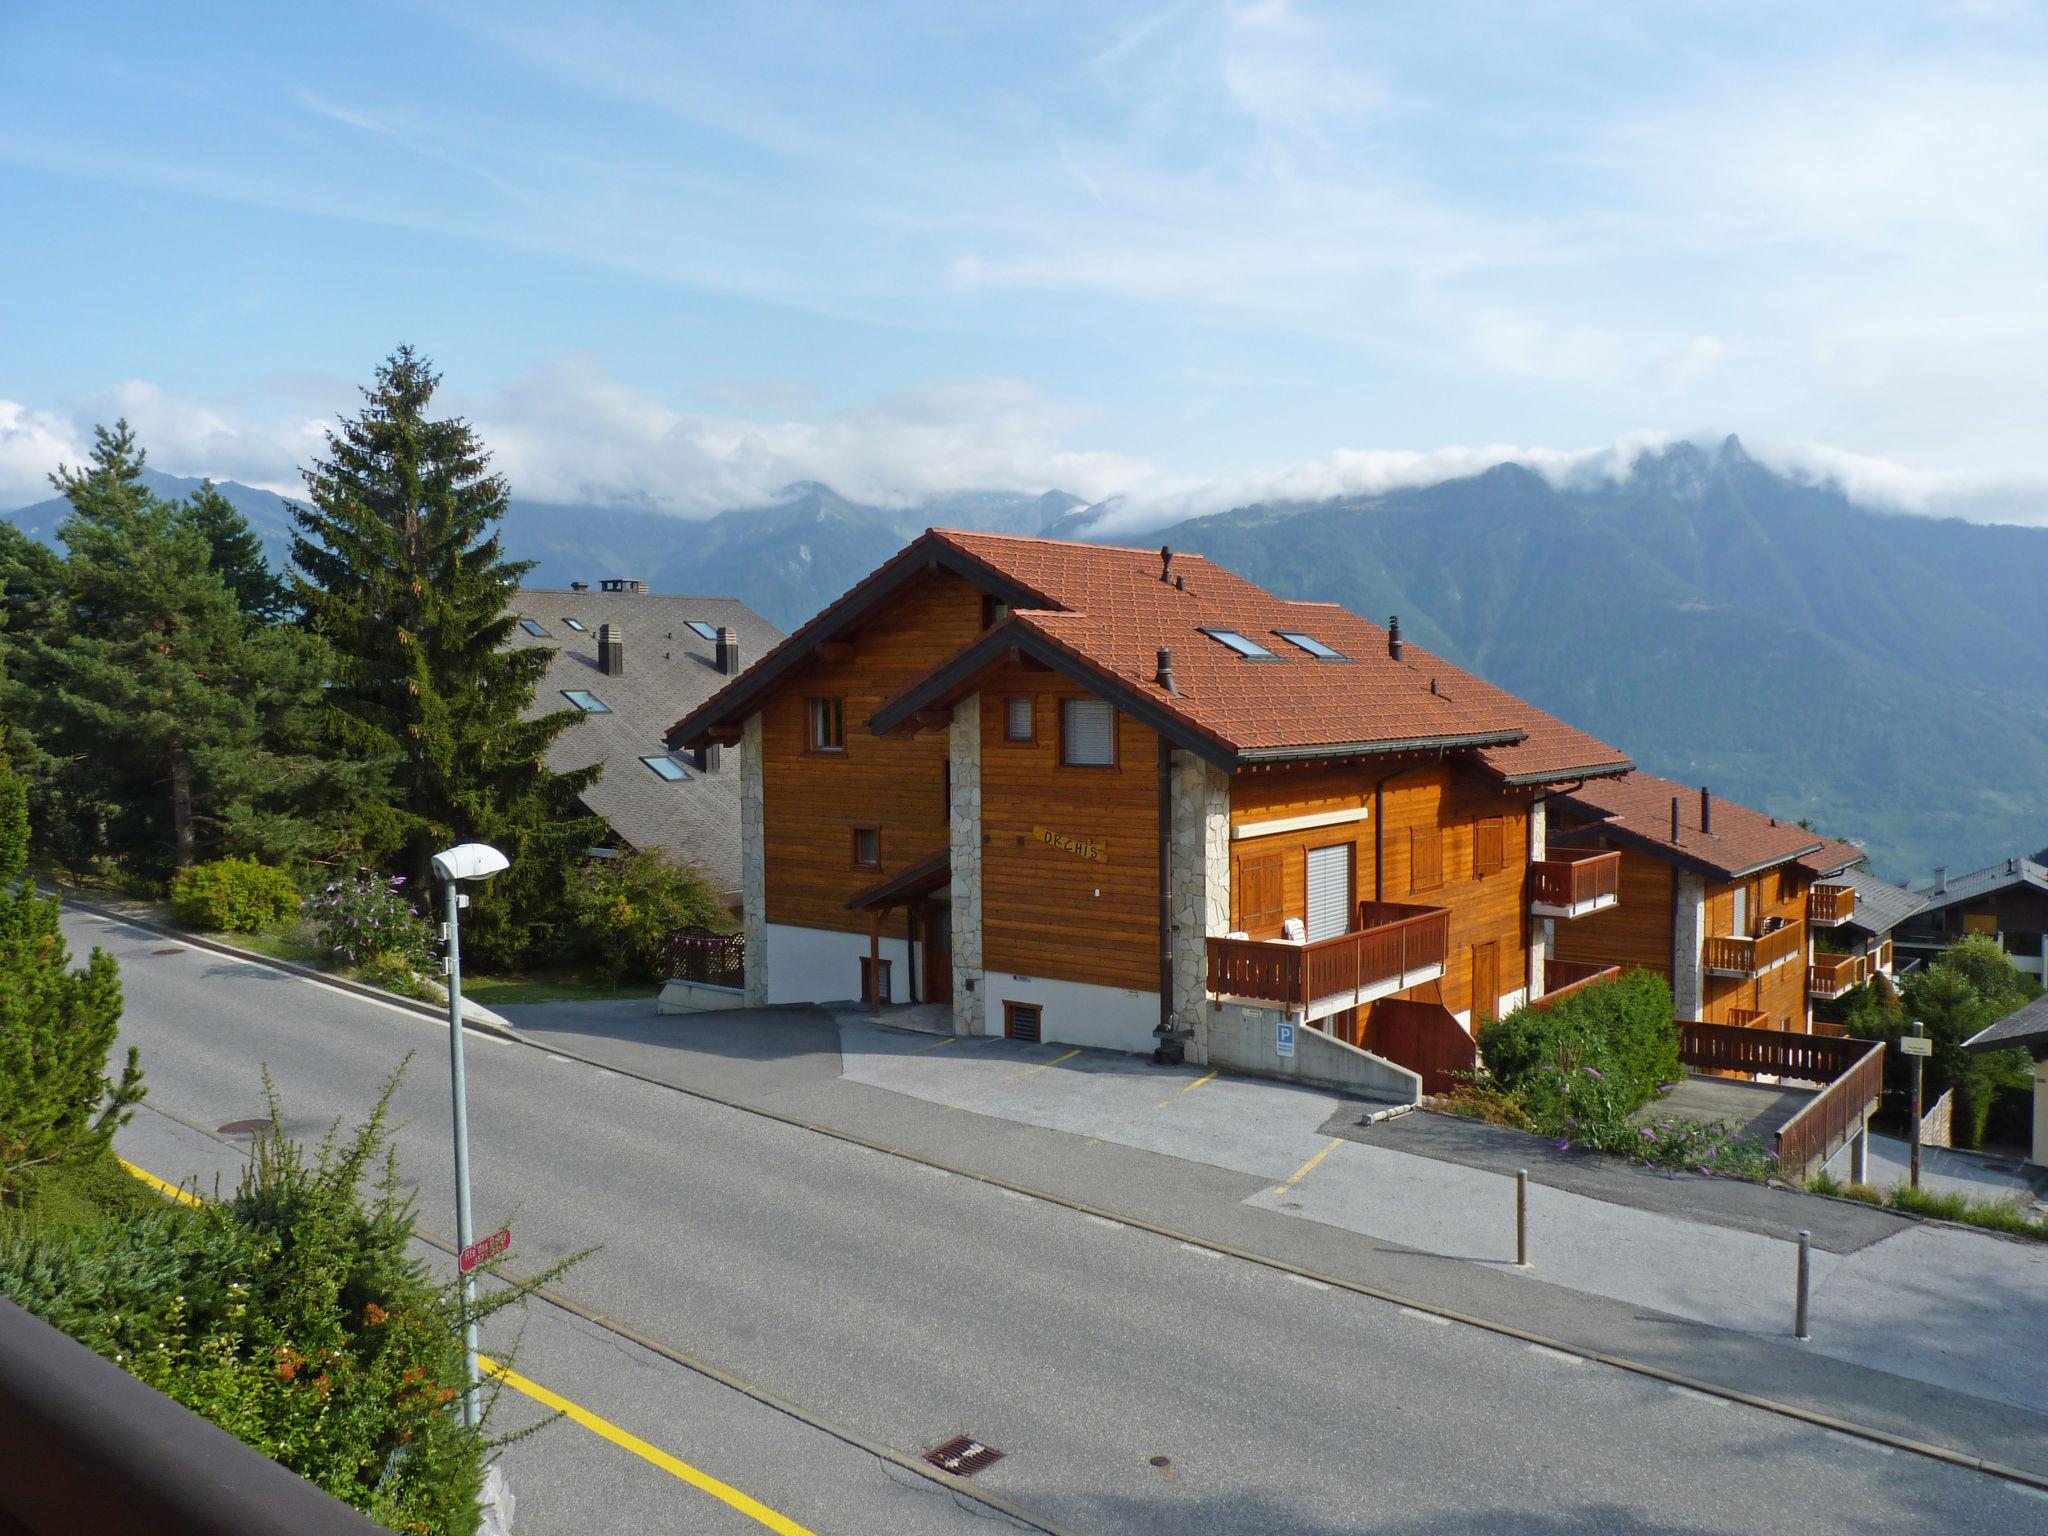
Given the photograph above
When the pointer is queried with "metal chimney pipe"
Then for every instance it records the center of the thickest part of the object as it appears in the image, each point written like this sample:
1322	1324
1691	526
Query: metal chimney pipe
1706	811
1394	637
1164	677
1940	879
1166	562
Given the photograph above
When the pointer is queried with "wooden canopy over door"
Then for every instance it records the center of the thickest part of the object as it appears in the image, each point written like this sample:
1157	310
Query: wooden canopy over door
909	890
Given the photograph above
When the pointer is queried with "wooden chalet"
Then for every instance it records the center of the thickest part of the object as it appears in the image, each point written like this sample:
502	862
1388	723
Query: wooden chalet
1124	798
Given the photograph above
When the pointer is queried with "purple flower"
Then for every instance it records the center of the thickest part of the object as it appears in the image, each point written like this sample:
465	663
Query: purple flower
1591	1073
1564	1145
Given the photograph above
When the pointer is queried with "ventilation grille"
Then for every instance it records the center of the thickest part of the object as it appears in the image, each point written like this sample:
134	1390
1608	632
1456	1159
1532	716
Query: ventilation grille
1020	1021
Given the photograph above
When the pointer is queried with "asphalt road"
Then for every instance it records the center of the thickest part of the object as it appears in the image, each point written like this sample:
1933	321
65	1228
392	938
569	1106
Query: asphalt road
1133	1384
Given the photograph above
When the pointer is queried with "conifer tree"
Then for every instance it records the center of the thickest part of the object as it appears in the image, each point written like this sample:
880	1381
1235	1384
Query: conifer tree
404	576
261	594
57	1025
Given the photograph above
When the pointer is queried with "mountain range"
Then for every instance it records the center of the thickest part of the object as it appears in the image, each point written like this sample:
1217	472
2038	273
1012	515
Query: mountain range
1883	676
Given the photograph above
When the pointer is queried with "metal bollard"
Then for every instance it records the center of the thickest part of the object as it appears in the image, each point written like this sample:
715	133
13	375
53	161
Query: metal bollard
1521	1218
1805	1270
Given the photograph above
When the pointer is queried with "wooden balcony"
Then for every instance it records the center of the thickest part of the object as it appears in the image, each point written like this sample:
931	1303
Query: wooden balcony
1829	976
1395	946
1881	957
1828	904
1573	882
1564	977
1734	955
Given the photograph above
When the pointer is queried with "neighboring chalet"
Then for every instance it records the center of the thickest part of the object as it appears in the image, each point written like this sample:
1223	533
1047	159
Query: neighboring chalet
2007	902
1127	799
625	656
1858	944
2026	1029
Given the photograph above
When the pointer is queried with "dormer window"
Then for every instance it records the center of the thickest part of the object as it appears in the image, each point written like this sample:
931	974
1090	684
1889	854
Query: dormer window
1311	644
1244	645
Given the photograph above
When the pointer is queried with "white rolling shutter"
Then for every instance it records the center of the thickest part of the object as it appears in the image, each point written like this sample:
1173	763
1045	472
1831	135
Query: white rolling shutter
1089	731
1329	892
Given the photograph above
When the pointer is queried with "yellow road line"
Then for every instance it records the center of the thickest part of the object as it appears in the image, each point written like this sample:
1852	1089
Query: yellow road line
157	1184
1191	1087
1309	1167
725	1493
1014	1076
937	1043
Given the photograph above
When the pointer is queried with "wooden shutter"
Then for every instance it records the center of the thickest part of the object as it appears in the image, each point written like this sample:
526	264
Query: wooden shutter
1256	892
1329	891
1489	846
1425	859
1485	981
1088	733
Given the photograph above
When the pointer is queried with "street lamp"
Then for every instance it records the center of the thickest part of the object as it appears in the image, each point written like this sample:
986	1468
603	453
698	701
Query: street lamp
469	861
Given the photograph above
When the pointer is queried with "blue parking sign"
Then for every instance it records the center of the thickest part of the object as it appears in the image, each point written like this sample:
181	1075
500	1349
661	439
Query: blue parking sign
1283	1039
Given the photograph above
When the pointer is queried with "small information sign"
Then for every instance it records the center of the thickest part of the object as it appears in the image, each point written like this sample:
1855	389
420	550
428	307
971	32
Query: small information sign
1916	1045
1283	1039
484	1248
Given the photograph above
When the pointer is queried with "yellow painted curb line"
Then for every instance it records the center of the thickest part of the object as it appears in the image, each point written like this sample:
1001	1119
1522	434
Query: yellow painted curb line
157	1184
725	1493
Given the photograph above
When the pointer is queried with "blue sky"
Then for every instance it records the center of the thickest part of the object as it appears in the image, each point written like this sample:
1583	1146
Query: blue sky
678	256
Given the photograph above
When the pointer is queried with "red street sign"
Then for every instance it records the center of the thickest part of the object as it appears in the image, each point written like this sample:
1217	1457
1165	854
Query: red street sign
484	1248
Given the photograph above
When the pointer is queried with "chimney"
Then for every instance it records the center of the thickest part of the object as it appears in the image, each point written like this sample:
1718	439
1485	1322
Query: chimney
728	657
611	651
1180	583
1674	818
1166	562
1394	637
707	757
579	586
2012	866
1164	676
1706	811
1940	879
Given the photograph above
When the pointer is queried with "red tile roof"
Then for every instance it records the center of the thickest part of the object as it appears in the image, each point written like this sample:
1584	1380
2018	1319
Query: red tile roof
1636	810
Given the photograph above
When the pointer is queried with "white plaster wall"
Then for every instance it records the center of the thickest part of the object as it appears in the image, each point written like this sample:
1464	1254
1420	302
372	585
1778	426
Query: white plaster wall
697	997
753	863
815	965
964	842
1110	1018
1688	935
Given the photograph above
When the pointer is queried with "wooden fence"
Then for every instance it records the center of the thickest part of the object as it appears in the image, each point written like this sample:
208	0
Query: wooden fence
716	959
1424	1038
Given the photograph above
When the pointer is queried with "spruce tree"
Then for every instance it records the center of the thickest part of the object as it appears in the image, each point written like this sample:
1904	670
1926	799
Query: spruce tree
262	595
404	576
57	1025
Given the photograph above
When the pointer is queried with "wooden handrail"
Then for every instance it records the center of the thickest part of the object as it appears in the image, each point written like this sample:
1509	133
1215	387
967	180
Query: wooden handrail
1733	952
1830	902
1571	877
1778	1053
1397	939
1830	975
1564	977
1819	1129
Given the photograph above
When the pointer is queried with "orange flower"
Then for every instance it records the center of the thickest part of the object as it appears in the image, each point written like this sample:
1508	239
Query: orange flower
374	1314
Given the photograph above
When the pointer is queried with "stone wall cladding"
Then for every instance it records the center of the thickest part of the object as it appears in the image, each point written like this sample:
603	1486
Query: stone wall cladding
1200	849
970	1009
753	863
1539	928
1688	935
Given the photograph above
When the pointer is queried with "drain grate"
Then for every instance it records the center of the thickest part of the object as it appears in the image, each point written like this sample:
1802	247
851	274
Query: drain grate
962	1456
169	949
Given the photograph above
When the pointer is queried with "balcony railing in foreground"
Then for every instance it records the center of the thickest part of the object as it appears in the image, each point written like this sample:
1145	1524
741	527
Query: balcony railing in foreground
1564	977
1395	946
1574	882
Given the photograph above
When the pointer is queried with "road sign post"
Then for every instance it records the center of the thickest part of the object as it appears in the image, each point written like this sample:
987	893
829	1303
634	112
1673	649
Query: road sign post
1283	1038
1918	1047
484	1249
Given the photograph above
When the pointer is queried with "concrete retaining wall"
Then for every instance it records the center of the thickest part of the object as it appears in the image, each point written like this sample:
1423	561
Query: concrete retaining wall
1241	1039
697	997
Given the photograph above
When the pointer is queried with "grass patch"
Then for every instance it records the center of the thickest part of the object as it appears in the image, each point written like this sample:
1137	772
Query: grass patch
494	991
292	945
74	1195
2007	1216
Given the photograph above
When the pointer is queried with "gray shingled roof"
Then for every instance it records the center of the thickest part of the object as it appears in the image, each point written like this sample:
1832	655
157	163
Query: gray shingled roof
2025	1029
669	670
1981	882
1880	905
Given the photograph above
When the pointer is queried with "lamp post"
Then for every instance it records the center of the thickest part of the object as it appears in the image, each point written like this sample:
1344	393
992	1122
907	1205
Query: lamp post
469	861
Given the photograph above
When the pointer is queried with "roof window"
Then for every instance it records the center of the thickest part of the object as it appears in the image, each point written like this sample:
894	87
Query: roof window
1311	644
586	701
533	627
702	630
575	624
1246	647
666	768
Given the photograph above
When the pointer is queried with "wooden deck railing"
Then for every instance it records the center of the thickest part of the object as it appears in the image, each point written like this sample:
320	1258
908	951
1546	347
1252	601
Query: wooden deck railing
1751	957
1837	1112
1393	940
1831	903
1564	977
1852	1070
1574	877
1881	957
716	959
1832	975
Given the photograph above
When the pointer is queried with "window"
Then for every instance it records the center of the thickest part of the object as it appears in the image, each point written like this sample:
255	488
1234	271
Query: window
1489	846
533	627
1256	892
666	768
702	630
575	624
874	989
1311	644
1087	733
586	701
1022	1021
1740	920
867	847
1425	859
1017	719
993	611
828	725
1248	648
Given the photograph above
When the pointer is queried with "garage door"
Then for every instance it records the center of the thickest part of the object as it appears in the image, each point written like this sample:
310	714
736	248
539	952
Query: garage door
1329	891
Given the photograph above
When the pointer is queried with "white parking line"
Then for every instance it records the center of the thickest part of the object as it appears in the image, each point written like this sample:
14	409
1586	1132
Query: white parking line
1700	1397
1558	1355
1104	1221
1207	1253
1314	1285
1012	1194
1425	1317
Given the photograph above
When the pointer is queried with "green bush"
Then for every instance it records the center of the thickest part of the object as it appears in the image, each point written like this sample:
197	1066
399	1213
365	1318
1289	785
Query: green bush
368	915
234	896
625	908
1620	1031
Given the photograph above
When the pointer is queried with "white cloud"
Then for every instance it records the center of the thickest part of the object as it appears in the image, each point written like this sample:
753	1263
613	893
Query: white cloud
32	445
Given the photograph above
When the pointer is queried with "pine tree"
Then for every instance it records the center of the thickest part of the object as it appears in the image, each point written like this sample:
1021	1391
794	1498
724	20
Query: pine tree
57	1025
405	578
261	594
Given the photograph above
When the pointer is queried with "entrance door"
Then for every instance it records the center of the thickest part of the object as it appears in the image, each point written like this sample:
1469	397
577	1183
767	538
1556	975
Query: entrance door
937	924
1485	981
1329	891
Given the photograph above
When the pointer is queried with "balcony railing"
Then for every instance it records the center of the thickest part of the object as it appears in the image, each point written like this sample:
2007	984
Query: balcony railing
1395	946
1564	977
1828	904
1831	975
1572	882
1732	955
1852	1070
1881	957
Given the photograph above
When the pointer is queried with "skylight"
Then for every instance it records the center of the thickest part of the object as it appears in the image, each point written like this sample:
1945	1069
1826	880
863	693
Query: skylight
1309	643
575	624
1245	647
586	701
667	768
707	631
533	627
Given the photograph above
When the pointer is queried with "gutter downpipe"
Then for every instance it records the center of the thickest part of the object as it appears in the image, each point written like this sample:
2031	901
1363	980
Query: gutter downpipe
1165	1028
1379	822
